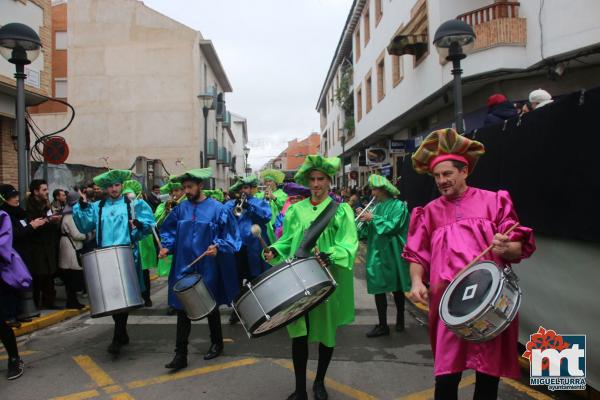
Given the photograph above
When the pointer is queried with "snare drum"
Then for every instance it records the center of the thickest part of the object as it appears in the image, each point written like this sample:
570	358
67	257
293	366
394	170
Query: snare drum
195	297
282	294
481	302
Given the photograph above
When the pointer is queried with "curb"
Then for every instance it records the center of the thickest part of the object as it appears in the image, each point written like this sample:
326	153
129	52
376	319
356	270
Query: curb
48	320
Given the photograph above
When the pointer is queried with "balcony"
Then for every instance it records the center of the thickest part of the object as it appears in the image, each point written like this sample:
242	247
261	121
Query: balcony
498	24
222	155
229	158
211	152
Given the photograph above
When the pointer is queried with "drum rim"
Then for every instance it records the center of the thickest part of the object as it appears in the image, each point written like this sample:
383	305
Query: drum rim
274	270
120	310
444	312
262	319
189	287
205	315
103	249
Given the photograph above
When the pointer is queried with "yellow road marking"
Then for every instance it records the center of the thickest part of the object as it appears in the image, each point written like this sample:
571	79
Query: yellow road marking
428	393
122	396
79	396
337	386
21	353
534	394
113	389
227	340
99	377
188	374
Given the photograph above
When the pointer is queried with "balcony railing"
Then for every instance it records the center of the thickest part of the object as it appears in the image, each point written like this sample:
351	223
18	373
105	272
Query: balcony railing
501	9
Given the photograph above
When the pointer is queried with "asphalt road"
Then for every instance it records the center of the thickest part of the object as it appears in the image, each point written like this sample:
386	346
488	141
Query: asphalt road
69	361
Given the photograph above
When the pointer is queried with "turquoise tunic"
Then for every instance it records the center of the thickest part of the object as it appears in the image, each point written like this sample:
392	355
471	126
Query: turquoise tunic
340	241
115	224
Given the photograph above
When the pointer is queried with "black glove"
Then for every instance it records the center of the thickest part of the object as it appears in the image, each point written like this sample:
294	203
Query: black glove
324	259
137	224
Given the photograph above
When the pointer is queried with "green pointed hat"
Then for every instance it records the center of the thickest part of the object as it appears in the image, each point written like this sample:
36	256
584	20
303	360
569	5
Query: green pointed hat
169	187
132	186
328	166
198	174
215	194
111	177
381	182
250	180
273	174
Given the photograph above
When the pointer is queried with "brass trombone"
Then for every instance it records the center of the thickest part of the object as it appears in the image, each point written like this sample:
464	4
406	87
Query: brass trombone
370	207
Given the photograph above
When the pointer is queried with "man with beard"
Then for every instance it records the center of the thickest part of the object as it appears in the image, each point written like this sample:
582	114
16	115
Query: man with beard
444	237
337	244
117	226
44	245
196	226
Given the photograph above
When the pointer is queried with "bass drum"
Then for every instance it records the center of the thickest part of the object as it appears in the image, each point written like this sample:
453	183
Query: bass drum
481	302
282	294
112	281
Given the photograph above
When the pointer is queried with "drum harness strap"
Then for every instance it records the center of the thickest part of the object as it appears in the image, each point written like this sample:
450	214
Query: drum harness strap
311	235
100	207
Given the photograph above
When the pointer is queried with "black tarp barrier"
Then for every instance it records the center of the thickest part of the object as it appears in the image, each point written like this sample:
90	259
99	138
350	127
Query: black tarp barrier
548	160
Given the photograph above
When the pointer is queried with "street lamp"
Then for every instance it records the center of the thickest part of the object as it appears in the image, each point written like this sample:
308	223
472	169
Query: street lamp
208	103
246	152
454	39
20	45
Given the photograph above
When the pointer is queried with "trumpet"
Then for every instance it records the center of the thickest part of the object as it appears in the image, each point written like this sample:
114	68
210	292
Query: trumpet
370	207
239	207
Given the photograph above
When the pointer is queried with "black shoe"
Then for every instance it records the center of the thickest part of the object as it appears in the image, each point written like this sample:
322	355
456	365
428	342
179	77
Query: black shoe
215	351
75	305
116	344
170	311
148	303
379	330
51	307
16	367
298	396
233	318
400	323
13	323
319	390
178	362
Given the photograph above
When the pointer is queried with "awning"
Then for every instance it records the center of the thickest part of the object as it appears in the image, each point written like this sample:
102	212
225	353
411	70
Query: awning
412	38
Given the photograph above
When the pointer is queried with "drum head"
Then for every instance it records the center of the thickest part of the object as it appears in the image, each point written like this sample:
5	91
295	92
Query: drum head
186	282
470	293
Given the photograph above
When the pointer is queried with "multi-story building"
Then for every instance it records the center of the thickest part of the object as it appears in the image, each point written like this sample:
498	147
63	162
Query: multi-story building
290	159
134	76
400	98
240	150
37	15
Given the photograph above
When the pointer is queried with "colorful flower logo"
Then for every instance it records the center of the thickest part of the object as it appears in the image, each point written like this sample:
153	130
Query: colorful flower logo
545	339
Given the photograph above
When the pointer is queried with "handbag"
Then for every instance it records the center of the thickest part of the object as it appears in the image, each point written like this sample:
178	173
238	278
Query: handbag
77	252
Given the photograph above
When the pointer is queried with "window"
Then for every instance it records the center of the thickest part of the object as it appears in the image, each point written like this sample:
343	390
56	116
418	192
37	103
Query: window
397	70
60	40
378	12
357	42
381	77
358	104
368	91
367	28
60	88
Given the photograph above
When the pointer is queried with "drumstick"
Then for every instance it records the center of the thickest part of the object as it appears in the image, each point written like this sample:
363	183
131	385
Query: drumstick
256	232
200	257
157	238
483	253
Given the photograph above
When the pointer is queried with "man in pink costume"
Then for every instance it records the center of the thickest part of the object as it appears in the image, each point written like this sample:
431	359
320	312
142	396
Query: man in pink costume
445	236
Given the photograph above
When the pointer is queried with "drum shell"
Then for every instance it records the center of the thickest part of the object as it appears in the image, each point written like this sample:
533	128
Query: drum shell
281	286
112	281
197	300
491	320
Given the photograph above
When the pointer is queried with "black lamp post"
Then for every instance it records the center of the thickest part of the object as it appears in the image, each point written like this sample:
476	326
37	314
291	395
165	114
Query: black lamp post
208	103
453	40
20	45
246	152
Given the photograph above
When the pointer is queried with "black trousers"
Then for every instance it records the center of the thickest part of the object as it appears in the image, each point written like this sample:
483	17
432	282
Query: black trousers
243	269
43	290
146	293
184	328
486	386
73	283
8	339
120	332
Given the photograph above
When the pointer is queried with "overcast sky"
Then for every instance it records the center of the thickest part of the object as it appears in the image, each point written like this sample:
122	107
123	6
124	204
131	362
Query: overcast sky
276	54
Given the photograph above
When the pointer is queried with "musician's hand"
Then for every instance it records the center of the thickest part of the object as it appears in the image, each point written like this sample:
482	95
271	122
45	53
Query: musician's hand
82	196
324	259
358	210
269	254
419	293
500	244
212	250
163	252
366	217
